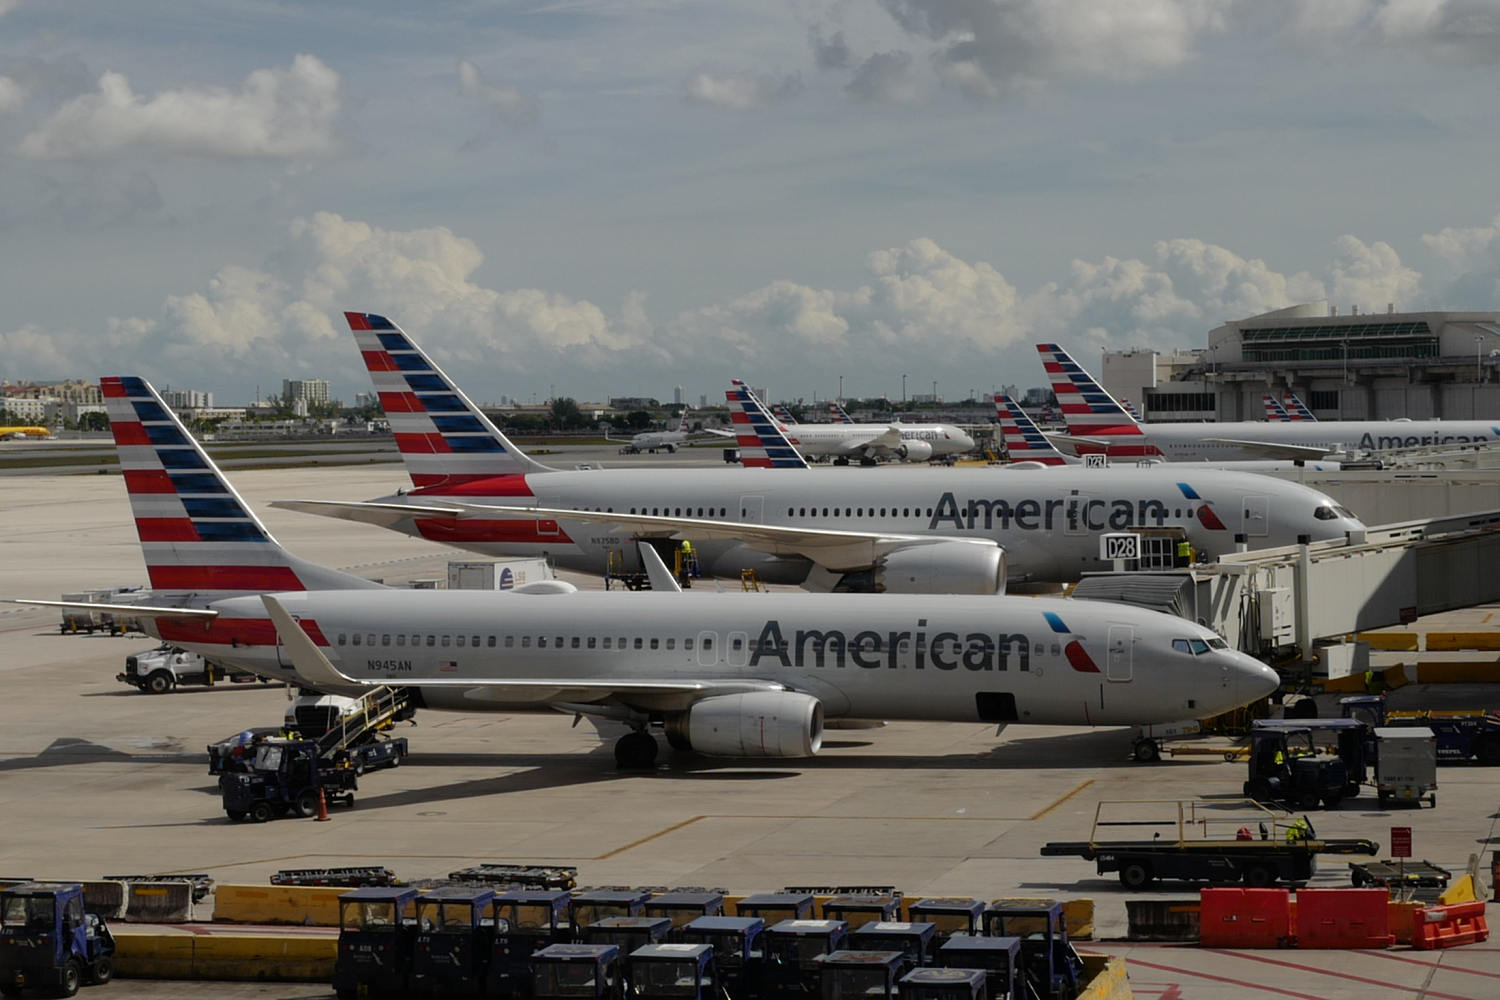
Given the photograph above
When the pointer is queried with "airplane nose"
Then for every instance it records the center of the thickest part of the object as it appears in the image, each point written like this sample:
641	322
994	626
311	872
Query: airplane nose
1253	680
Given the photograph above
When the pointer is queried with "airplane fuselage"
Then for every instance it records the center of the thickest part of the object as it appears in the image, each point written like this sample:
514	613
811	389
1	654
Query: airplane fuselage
852	439
1215	441
1047	525
936	658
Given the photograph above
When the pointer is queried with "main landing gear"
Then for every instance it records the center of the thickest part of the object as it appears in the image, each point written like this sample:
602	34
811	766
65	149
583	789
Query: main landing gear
635	751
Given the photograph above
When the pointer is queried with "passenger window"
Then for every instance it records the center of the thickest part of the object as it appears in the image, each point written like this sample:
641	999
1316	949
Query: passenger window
672	643
639	644
474	641
655	643
356	638
385	640
458	642
621	643
445	640
687	644
490	642
525	642
708	642
576	643
606	642
400	640
736	643
432	640
510	642
541	642
559	643
370	639
591	642
341	639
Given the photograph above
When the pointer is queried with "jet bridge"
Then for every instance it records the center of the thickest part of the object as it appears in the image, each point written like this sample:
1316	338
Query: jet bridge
1281	602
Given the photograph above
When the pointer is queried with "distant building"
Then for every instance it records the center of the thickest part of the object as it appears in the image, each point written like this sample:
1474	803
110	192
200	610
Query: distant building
312	391
634	403
187	399
677	392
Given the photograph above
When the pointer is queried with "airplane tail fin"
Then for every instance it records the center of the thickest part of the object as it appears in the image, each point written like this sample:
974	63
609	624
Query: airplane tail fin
683	427
1295	408
1024	442
1275	412
761	442
783	415
839	414
200	540
1089	410
1130	409
444	439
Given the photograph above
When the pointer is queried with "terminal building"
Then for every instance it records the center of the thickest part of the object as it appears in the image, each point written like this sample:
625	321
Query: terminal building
1359	366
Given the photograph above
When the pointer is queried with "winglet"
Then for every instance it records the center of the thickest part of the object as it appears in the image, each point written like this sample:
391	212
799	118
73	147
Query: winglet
656	570
308	662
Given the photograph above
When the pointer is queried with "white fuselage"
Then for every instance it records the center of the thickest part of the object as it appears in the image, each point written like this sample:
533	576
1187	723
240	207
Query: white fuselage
1049	526
845	440
937	658
1197	442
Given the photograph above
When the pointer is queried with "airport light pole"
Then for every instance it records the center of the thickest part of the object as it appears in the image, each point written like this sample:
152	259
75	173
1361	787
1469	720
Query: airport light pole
1478	360
903	390
841	388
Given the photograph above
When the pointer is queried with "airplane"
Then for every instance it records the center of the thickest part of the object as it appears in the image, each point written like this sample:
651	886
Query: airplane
1296	409
844	440
1028	447
20	432
732	675
784	415
668	441
963	530
1130	408
1274	409
1098	424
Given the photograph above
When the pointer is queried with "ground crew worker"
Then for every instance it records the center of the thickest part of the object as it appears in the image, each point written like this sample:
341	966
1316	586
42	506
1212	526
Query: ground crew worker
1375	682
1299	829
1184	553
1279	759
685	555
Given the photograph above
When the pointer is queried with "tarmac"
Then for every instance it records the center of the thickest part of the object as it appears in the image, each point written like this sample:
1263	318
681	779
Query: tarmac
99	779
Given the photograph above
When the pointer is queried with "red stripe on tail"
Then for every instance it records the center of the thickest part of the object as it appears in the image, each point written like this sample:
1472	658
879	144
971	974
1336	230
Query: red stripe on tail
166	529
258	578
148	481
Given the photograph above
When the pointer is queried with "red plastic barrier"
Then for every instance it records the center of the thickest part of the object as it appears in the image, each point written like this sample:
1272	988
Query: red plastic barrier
1244	918
1446	926
1343	918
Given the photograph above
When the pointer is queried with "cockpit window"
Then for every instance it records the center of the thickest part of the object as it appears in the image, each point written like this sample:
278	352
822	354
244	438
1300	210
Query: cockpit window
1344	511
1326	513
1199	647
1181	645
1217	643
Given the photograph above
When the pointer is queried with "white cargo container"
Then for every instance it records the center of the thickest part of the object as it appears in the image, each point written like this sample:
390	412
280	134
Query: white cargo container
502	575
1406	764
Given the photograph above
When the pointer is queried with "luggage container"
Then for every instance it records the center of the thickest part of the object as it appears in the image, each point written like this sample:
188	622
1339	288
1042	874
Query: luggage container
1406	765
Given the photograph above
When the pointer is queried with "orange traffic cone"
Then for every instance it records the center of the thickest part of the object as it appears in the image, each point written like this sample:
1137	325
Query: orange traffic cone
322	807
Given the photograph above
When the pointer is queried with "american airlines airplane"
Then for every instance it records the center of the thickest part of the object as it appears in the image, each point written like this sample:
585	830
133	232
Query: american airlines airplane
735	675
1097	424
668	441
955	531
843	439
1028	447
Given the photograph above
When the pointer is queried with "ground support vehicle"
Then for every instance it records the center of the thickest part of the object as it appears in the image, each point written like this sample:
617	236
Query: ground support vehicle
526	920
577	972
949	914
75	620
945	984
773	907
1049	961
917	941
738	951
1405	879
353	877
1287	765
47	941
285	776
999	958
455	938
857	975
592	904
377	929
161	668
1204	842
1462	736
519	876
628	933
793	948
683	906
1406	765
234	753
855	910
668	971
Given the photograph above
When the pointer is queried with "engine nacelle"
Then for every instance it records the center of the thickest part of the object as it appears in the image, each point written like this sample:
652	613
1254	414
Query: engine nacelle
915	451
759	724
943	568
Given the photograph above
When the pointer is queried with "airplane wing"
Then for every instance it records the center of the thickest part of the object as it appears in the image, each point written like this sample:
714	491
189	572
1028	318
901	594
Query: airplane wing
383	515
716	432
1291	452
838	551
143	610
652	695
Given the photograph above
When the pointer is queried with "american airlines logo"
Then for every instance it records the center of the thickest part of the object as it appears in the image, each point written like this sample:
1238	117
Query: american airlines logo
1077	513
872	650
1372	442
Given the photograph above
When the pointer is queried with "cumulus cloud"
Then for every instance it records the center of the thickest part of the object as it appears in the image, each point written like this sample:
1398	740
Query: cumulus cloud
884	78
11	95
511	104
6	6
286	112
1463	247
995	48
1370	275
740	91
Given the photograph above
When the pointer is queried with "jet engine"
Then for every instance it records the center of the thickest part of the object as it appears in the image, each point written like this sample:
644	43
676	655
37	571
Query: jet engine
759	724
943	568
915	451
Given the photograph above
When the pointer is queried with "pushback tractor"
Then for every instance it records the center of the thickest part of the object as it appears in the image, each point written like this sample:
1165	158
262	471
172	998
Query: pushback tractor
48	942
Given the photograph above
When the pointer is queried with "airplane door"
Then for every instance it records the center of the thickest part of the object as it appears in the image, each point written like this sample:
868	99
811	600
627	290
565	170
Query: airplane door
1257	523
752	509
1121	652
547	529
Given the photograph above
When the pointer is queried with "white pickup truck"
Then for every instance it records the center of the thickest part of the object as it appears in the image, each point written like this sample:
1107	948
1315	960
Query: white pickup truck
159	670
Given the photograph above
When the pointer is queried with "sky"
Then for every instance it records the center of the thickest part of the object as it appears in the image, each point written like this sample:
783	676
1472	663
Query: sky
594	199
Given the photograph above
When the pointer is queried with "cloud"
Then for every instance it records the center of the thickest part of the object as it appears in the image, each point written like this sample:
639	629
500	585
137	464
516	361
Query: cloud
6	6
829	53
740	91
1371	275
1464	247
509	103
283	113
884	78
996	48
11	95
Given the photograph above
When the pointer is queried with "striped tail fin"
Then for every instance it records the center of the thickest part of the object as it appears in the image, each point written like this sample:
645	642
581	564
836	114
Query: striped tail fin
200	540
1275	412
839	414
762	444
1089	410
782	414
1024	442
682	426
1295	408
1130	409
443	437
